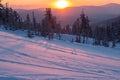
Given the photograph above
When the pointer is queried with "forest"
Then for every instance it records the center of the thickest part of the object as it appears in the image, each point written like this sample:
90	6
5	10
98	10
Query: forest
49	26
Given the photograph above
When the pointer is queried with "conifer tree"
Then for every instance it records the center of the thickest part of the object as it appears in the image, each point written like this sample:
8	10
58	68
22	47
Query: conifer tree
113	37
48	24
28	24
85	28
76	30
34	23
82	28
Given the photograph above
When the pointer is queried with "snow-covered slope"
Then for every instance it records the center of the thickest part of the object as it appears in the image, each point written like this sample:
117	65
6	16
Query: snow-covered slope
22	58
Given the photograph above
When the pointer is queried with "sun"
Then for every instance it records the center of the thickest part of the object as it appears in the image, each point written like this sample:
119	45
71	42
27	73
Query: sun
61	4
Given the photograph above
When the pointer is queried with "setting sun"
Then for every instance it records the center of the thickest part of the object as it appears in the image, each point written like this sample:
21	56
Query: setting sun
61	4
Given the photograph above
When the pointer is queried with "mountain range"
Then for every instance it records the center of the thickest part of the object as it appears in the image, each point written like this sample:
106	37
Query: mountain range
69	15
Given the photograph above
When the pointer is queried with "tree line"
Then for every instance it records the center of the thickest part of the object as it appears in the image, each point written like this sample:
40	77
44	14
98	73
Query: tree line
50	26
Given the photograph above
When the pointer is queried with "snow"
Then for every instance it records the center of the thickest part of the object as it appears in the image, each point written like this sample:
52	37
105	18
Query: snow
22	58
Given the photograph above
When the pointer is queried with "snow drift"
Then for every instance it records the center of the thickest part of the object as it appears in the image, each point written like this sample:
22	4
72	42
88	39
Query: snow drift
22	58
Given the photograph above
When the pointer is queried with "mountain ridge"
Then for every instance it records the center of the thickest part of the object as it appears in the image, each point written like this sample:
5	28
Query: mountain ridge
70	14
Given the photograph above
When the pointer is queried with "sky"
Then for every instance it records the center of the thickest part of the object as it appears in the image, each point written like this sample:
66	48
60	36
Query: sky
31	4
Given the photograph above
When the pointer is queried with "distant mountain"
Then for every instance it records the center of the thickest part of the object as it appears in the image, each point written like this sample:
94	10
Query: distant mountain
69	15
107	22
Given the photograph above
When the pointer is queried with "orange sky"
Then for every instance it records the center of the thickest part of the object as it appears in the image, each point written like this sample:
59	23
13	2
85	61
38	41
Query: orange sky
28	4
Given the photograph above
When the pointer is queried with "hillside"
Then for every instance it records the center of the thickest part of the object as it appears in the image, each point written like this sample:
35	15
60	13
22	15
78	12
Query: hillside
22	58
108	22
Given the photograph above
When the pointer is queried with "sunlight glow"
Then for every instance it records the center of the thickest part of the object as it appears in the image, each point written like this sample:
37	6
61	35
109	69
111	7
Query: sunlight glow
61	4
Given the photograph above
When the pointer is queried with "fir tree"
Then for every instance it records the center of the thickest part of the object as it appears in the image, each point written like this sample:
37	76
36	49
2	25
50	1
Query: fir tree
48	24
28	22
82	28
34	23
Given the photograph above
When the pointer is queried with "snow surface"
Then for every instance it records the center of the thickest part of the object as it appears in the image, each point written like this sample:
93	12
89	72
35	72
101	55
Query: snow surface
22	58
